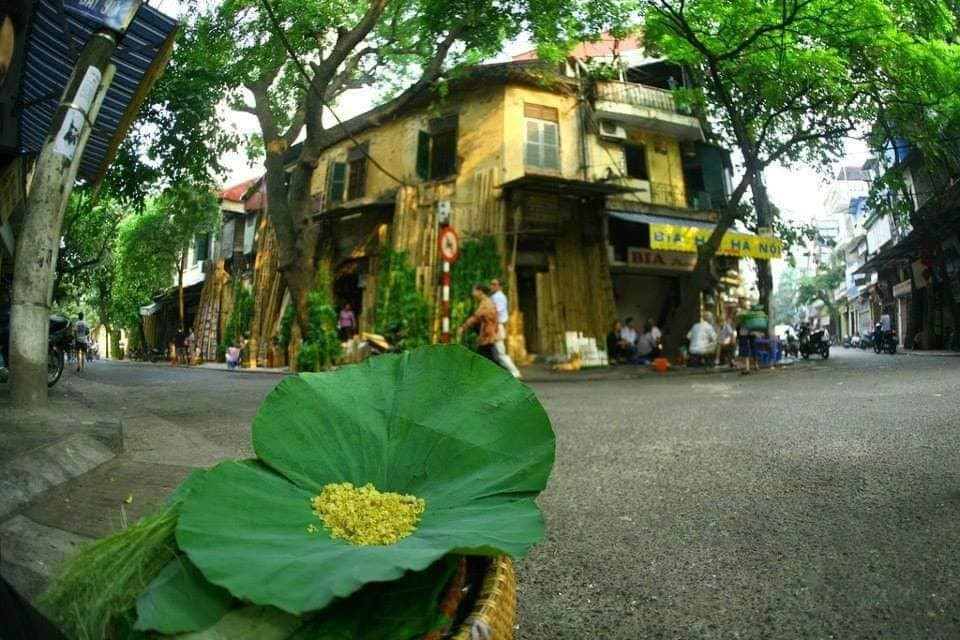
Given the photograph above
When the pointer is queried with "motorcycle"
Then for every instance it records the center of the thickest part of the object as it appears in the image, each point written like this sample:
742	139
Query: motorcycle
866	341
813	342
791	345
59	340
887	342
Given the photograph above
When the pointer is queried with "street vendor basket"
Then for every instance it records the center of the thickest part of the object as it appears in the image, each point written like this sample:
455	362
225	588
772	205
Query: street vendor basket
495	610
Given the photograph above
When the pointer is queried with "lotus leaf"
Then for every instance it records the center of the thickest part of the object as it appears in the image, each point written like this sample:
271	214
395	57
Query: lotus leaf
437	422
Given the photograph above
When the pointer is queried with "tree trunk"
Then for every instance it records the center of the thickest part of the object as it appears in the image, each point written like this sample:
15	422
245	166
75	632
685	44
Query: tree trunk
764	220
143	334
39	241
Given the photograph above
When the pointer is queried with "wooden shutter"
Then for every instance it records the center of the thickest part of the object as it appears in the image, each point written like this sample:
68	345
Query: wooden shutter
423	154
550	146
540	112
338	180
201	251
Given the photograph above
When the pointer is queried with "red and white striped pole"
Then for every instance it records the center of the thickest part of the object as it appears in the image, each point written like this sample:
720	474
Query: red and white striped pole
445	302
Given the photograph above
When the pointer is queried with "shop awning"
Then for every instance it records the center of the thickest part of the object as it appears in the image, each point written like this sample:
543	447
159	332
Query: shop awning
685	235
55	39
565	186
905	249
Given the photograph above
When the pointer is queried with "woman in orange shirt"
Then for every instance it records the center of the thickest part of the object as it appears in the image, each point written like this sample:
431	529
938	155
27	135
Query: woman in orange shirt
486	316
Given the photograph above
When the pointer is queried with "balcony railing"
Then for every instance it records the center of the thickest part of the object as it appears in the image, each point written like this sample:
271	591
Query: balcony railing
637	95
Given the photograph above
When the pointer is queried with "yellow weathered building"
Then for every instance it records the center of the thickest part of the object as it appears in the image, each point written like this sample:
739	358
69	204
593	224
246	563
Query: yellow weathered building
576	180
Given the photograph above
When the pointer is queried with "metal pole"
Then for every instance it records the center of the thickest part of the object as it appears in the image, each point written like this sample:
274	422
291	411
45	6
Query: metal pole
445	298
39	242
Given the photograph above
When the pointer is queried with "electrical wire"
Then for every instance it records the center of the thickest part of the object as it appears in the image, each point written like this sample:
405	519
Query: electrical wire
316	91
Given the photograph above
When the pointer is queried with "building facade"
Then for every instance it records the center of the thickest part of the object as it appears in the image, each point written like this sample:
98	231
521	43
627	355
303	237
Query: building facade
596	193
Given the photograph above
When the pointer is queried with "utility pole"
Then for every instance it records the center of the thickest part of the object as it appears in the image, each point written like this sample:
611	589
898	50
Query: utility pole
39	242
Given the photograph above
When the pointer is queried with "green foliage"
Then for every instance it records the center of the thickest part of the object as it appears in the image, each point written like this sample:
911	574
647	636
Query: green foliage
321	343
180	599
322	334
820	286
407	423
102	580
479	262
401	309
286	326
238	322
150	245
308	357
783	304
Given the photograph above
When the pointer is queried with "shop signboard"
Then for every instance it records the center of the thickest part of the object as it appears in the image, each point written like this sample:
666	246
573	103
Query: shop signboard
902	289
662	260
669	237
113	14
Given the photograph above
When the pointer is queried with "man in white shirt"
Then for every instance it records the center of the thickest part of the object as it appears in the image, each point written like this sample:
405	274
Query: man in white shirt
703	339
503	314
629	332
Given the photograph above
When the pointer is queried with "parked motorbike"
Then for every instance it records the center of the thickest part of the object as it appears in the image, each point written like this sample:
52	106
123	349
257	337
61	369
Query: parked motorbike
866	341
813	342
59	340
886	342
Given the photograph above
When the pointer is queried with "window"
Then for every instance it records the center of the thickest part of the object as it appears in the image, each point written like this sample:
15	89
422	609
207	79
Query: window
357	172
249	233
201	249
337	181
636	157
542	145
437	149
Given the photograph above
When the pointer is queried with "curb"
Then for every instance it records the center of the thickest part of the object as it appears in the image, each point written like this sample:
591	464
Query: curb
641	372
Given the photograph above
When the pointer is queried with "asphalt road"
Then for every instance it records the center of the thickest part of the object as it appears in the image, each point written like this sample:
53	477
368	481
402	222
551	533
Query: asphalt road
814	502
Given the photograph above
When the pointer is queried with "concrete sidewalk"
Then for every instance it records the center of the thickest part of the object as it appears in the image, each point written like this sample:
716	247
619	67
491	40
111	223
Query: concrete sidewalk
544	372
213	366
41	451
931	353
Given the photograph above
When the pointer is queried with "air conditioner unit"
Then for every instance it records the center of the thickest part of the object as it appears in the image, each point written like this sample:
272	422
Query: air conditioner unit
612	130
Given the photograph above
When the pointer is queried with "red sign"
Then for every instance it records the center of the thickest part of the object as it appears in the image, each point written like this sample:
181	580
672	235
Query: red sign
449	244
668	260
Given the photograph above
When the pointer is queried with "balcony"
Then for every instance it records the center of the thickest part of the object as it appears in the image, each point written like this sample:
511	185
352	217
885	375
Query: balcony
645	107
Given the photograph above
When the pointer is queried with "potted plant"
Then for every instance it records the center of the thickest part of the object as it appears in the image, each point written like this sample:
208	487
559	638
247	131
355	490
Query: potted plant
377	492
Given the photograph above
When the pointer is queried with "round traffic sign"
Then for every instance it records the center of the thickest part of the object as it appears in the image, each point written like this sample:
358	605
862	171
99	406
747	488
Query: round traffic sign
449	244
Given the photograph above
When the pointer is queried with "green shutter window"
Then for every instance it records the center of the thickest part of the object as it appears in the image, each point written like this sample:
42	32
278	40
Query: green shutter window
201	250
338	180
423	154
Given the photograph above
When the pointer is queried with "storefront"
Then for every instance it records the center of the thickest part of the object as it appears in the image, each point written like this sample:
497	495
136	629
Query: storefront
652	256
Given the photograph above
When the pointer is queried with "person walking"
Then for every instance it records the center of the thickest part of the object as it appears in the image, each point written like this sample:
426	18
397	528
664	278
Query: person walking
500	301
81	334
179	345
233	356
191	346
486	317
347	322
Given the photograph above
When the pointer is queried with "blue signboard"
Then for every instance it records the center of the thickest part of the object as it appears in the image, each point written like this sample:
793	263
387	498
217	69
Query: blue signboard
113	14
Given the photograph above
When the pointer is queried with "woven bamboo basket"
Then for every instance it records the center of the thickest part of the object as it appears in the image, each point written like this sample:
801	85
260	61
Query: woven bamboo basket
495	610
